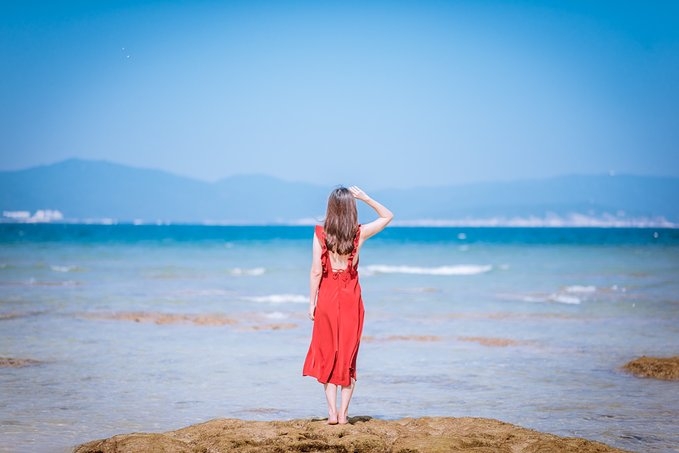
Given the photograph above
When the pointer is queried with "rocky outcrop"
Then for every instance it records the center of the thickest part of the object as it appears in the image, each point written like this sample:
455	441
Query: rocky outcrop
14	362
666	369
361	434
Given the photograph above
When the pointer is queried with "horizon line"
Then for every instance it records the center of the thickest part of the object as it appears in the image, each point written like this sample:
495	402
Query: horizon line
610	173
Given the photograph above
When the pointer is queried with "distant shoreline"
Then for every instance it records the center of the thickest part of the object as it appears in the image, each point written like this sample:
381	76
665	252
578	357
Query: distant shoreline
84	191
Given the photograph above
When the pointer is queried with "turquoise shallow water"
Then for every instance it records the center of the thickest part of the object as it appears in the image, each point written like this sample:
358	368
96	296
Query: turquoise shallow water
529	326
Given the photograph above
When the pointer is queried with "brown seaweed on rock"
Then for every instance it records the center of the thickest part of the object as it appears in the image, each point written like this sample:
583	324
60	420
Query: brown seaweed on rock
361	435
492	342
13	362
666	369
165	318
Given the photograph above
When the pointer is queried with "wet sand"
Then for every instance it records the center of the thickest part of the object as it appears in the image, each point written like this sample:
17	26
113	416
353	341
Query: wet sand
361	435
666	369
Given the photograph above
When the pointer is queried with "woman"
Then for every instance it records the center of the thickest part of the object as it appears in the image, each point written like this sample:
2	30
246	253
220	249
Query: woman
335	304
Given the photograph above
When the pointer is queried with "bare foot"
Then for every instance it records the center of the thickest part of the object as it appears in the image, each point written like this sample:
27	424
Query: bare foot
332	419
343	420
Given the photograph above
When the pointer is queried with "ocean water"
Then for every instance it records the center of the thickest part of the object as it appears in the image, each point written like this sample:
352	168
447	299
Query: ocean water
152	328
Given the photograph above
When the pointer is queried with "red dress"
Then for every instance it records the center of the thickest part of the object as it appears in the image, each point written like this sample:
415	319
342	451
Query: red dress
338	321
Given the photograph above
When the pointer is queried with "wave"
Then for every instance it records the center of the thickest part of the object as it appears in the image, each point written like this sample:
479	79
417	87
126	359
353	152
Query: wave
279	299
35	282
276	315
580	289
65	268
542	298
564	299
571	294
424	289
255	271
205	293
463	269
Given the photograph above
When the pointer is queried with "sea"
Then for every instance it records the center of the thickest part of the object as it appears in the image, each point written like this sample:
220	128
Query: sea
149	328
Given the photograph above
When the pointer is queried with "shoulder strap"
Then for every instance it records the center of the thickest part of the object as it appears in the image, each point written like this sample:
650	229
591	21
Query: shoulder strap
320	234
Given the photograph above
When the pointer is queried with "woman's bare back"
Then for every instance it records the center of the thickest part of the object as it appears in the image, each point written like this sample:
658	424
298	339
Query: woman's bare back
340	262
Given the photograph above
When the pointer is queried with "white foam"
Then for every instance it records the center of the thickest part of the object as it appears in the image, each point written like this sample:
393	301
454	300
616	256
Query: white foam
564	299
34	282
532	299
64	268
255	271
580	289
463	269
558	297
523	297
276	315
425	289
280	299
206	293
618	288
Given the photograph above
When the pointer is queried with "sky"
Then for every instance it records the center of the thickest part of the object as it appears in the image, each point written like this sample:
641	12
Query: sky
384	94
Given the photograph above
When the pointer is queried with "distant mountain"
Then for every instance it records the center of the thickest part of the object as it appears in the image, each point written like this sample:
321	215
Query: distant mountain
576	199
82	190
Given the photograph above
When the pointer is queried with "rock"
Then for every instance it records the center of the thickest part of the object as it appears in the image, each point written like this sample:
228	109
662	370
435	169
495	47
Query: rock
492	342
655	367
362	434
165	318
270	326
420	338
248	322
13	362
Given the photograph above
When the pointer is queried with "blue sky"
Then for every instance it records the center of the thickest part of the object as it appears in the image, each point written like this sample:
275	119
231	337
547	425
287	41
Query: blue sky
381	94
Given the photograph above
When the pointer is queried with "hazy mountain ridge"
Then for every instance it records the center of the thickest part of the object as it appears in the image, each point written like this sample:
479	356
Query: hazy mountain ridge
83	190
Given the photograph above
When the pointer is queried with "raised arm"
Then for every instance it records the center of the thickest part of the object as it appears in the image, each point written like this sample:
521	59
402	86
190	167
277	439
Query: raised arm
384	214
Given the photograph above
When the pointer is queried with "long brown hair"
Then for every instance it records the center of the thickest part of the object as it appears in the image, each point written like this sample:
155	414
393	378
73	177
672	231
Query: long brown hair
341	221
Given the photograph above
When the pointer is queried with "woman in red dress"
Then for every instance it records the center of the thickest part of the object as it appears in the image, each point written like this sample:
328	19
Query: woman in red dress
335	304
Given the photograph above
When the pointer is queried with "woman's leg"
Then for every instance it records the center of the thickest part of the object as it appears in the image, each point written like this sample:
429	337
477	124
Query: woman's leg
331	397
343	416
